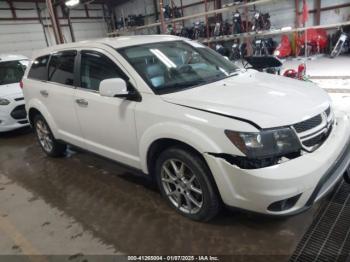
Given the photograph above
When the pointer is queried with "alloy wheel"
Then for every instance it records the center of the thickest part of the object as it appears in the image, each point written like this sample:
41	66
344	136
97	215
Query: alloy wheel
181	186
44	135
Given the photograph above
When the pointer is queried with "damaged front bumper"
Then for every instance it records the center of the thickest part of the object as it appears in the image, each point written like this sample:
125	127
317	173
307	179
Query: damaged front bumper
289	187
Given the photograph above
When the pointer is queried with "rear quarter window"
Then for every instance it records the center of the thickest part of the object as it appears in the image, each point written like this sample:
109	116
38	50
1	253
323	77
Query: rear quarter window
39	68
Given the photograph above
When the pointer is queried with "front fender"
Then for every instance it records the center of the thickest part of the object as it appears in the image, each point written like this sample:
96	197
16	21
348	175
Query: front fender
181	132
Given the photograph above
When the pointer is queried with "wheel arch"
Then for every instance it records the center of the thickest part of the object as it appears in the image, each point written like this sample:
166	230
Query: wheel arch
161	144
36	107
165	135
32	112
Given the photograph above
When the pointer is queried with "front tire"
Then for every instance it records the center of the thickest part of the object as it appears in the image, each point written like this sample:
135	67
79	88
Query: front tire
47	141
186	183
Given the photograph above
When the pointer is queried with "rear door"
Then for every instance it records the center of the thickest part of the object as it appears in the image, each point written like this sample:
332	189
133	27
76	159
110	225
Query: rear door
107	123
58	96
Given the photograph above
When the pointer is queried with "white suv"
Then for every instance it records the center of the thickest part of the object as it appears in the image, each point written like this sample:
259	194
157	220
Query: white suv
12	111
208	132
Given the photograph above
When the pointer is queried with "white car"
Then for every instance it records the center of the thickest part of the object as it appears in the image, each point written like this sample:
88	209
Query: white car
12	110
206	131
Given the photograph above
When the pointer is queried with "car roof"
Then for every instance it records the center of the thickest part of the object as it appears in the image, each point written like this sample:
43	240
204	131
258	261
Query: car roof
124	41
115	42
10	57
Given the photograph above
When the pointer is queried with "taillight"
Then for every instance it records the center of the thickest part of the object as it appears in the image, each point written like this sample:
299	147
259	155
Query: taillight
21	84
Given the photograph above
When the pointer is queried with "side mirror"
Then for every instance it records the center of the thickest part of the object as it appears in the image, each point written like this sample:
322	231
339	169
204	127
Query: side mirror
114	87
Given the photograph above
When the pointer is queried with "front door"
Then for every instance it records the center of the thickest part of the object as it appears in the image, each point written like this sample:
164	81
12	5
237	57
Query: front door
107	123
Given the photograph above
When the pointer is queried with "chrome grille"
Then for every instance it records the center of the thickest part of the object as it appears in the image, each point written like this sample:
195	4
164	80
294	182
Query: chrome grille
308	124
328	111
315	131
316	140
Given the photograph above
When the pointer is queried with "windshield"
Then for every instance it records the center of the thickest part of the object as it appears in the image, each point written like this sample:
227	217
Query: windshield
12	71
177	65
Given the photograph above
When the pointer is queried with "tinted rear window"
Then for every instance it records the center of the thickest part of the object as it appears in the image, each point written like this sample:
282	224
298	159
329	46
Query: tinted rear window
39	69
61	68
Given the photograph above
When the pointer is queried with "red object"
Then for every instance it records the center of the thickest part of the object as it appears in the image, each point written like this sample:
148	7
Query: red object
290	73
300	74
305	13
316	38
284	49
21	84
301	71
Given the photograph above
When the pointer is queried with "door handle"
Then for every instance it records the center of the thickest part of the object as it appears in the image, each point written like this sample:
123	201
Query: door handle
44	93
82	102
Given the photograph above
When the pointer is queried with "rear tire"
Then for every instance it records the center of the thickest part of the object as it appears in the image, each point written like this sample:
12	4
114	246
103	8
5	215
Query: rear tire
185	181
47	141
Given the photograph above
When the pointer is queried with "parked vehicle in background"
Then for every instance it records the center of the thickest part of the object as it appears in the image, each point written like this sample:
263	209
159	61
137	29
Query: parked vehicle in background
316	41
226	28
263	46
221	49
135	20
237	23
342	45
172	11
185	32
284	49
236	51
261	21
12	111
167	11
206	131
259	47
198	30
217	30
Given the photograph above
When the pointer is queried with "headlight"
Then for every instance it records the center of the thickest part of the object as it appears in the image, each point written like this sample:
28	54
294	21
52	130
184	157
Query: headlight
277	53
265	144
4	102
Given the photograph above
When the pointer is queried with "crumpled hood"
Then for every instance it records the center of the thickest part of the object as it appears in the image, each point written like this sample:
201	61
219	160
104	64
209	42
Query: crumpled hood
265	99
11	90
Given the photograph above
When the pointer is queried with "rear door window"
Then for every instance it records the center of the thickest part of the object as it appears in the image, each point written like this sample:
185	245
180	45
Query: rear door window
39	68
61	68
